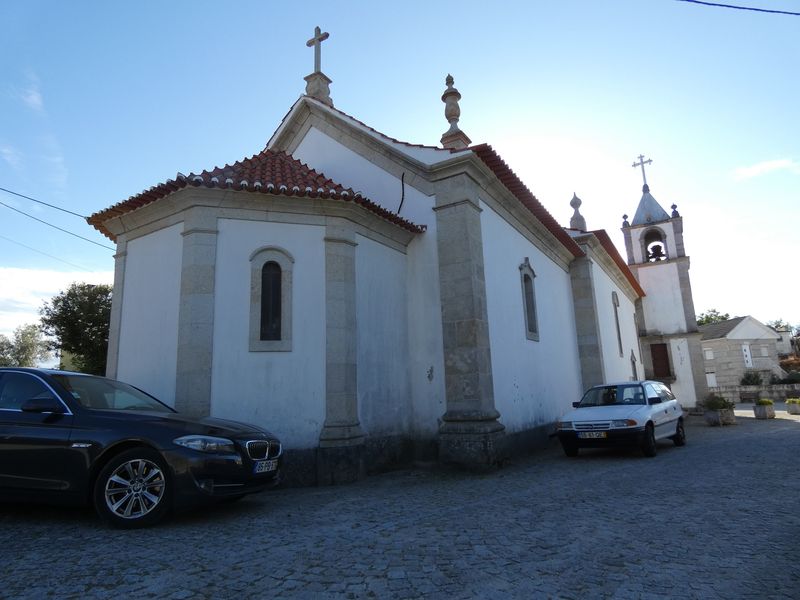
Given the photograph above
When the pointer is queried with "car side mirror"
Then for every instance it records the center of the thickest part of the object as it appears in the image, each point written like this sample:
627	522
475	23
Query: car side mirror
576	404
654	400
42	404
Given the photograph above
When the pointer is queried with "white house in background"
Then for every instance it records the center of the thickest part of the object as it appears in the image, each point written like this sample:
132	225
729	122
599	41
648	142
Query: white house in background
440	311
734	347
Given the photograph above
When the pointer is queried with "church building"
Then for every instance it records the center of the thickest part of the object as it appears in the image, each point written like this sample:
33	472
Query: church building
372	301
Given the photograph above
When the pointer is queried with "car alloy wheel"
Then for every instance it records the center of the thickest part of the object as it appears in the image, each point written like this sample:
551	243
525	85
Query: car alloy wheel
132	489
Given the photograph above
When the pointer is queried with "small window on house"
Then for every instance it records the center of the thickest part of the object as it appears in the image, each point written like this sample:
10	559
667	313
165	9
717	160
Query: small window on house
271	300
764	351
615	302
527	276
709	353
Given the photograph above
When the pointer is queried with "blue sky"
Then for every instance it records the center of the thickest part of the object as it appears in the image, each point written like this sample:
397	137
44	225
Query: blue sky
101	100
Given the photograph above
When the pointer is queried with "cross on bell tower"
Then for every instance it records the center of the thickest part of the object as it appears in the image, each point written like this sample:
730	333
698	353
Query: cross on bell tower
642	162
318	84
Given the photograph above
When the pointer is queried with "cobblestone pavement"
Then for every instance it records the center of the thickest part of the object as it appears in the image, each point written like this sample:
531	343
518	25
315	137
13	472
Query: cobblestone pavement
718	518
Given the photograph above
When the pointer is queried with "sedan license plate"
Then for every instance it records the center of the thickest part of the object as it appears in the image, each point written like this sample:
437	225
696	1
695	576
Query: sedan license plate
591	434
265	466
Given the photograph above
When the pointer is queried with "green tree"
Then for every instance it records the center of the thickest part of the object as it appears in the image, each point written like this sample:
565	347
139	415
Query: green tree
27	348
6	348
712	316
78	320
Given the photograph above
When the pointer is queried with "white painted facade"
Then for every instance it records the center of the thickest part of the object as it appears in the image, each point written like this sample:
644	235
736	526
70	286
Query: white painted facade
149	326
616	362
665	228
283	391
682	368
534	382
663	304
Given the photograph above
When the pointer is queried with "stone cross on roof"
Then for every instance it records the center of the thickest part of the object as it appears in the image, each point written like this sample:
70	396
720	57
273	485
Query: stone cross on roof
642	162
316	41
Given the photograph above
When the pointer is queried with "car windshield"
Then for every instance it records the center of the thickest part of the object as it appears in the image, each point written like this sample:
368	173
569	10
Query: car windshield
609	395
107	394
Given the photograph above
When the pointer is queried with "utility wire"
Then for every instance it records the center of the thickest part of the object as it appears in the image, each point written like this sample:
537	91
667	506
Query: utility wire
45	203
46	254
763	10
56	227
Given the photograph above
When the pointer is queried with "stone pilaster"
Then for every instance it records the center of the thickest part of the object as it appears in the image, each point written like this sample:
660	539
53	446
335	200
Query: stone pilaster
196	313
586	324
341	442
470	435
115	322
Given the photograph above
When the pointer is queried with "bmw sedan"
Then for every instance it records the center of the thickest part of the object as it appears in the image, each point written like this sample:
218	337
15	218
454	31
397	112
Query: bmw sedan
75	438
634	413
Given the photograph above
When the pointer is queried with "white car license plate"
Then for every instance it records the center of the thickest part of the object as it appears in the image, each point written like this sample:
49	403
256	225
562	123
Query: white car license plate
265	466
591	434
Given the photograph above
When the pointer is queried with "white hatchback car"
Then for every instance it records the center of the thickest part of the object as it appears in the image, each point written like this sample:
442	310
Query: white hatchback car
636	413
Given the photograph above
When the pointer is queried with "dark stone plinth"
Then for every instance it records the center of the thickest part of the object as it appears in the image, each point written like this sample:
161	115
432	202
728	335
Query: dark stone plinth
341	464
475	445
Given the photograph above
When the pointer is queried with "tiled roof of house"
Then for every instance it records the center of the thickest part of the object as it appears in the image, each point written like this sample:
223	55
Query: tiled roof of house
605	241
523	194
267	172
713	331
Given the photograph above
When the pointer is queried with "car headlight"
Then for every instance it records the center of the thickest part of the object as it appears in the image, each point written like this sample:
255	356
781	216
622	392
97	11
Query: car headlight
623	423
564	425
206	443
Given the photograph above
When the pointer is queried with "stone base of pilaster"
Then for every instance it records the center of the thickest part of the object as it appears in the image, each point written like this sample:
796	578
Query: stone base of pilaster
472	441
341	464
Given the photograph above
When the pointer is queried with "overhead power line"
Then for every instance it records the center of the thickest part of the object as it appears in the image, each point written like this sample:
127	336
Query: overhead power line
57	227
45	203
751	8
66	262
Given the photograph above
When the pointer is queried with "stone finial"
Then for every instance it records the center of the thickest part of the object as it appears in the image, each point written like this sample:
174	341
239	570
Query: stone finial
453	138
625	221
577	221
675	212
318	84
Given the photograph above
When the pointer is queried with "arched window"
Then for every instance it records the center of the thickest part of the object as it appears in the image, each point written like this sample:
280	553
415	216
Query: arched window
655	246
527	276
271	300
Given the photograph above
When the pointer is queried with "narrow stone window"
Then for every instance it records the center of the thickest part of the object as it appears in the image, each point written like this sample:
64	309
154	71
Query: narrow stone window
271	300
615	302
527	276
708	353
633	367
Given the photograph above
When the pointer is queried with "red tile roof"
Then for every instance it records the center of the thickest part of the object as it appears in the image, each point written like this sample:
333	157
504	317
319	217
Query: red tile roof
514	185
267	172
609	247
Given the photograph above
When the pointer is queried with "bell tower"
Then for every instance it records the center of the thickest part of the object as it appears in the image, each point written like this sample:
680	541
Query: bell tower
669	338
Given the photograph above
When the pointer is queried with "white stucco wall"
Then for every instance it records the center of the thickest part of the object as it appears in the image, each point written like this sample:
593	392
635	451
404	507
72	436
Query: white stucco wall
282	391
663	304
148	340
349	168
615	367
384	395
534	382
683	386
750	329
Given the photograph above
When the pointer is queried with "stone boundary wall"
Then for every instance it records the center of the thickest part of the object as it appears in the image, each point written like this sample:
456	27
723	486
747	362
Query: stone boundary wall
748	393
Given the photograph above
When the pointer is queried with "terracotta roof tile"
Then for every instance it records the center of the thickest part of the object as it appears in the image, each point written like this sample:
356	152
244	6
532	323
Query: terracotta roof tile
267	172
514	184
